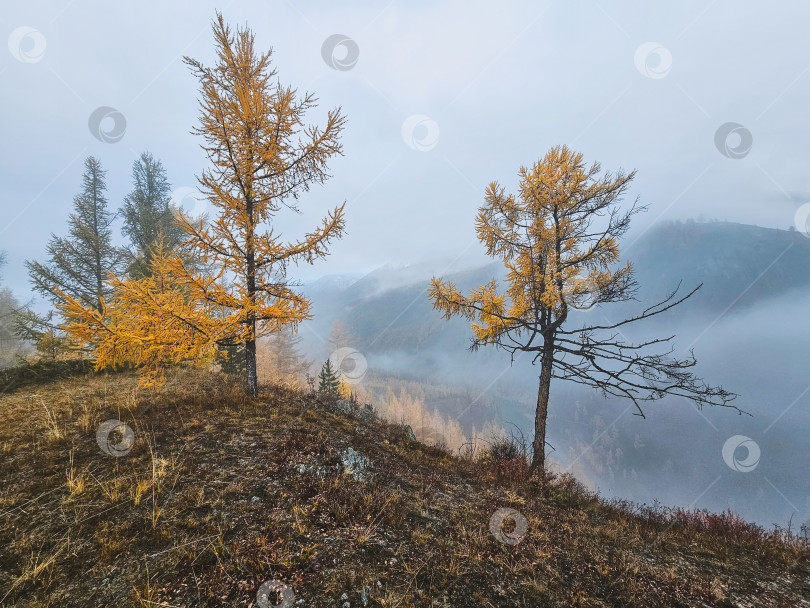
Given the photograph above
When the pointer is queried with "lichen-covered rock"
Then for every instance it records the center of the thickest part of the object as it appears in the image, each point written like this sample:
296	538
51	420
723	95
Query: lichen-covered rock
366	414
355	464
342	406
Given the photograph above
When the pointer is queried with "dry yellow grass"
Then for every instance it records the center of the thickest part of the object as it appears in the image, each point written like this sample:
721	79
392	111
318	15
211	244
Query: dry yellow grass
211	502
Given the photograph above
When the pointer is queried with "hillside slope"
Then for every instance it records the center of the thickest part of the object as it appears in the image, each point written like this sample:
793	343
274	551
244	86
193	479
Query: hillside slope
220	494
745	325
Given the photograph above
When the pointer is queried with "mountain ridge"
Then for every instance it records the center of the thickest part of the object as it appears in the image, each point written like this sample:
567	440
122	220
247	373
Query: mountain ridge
738	266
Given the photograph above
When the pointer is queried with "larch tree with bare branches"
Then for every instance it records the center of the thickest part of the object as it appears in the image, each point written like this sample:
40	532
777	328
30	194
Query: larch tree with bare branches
558	239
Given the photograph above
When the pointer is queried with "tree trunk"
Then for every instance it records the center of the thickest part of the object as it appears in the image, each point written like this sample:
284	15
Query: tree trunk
541	413
251	381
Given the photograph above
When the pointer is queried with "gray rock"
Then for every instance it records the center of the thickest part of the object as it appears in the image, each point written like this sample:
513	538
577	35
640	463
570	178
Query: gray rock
409	432
366	414
355	464
343	406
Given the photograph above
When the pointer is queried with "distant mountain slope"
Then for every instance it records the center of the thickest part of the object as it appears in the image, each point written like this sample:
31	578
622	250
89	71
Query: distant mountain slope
731	260
747	326
738	265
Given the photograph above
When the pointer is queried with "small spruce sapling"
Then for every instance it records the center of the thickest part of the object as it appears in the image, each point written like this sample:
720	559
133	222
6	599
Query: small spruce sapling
328	379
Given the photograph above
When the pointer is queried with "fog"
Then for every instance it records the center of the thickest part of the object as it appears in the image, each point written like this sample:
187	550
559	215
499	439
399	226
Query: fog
442	99
499	84
675	455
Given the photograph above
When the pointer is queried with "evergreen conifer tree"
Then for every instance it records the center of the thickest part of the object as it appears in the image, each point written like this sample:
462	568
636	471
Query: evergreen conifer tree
329	382
148	215
79	263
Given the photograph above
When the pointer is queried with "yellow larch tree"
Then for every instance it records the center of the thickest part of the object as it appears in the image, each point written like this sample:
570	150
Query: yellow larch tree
263	157
558	240
151	322
344	388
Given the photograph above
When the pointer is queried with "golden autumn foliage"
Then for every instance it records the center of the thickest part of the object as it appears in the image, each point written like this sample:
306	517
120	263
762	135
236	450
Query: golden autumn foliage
543	235
344	388
554	259
151	322
558	240
263	157
279	361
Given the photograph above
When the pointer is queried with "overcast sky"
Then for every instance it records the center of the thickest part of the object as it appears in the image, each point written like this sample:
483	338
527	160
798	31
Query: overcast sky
441	98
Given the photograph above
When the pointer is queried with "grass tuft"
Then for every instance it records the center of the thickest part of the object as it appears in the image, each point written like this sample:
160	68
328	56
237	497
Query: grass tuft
222	492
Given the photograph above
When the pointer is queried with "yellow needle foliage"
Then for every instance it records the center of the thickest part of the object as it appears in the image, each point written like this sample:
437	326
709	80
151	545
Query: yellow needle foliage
552	255
150	322
344	388
558	239
263	157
